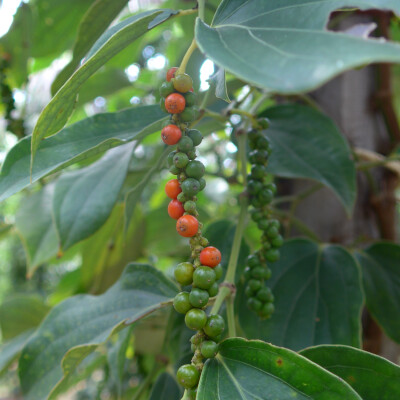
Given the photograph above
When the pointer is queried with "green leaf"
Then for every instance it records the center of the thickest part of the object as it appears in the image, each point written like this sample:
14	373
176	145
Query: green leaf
318	298
56	113
10	351
307	144
101	132
95	21
276	45
381	280
21	313
75	327
106	253
17	44
220	235
254	370
56	23
103	83
165	388
133	196
36	228
116	357
221	91
83	199
371	376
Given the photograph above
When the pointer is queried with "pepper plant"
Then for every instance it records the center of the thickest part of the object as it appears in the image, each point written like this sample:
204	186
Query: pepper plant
164	257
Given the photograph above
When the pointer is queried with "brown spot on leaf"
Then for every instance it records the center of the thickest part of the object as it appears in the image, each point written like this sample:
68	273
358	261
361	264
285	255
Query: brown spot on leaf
351	379
279	362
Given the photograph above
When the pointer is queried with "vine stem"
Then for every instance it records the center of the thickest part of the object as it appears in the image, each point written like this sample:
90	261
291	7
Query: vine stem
226	287
186	57
202	8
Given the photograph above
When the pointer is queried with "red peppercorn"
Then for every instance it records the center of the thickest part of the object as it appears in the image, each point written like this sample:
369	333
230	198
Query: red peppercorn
172	188
175	209
171	73
210	256
175	103
171	134
187	225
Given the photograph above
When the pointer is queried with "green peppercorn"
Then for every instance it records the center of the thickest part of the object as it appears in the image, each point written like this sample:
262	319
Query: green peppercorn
190	187
213	290
166	89
185	144
195	135
181	303
218	271
198	297
190	98
195	169
209	349
204	277
181	160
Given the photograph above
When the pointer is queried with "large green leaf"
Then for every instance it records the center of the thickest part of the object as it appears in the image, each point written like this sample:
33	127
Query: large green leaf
56	113
371	376
106	253
56	23
10	350
83	199
253	370
17	44
36	228
307	144
133	196
165	388
116	357
103	83
277	45
318	298
76	142
21	313
75	327
95	21
380	265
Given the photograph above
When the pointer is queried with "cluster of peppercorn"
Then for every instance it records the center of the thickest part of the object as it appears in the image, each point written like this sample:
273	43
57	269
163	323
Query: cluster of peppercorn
204	270
13	125
261	193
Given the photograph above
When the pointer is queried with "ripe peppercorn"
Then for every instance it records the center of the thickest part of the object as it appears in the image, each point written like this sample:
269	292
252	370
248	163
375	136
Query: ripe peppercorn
175	209
187	226
175	103
171	134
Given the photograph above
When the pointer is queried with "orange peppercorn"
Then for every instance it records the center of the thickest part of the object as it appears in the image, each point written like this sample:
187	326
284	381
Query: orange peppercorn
175	103
172	188
171	73
187	225
171	134
175	209
210	256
